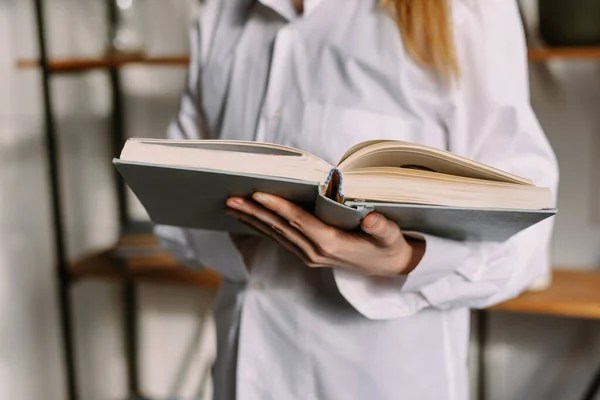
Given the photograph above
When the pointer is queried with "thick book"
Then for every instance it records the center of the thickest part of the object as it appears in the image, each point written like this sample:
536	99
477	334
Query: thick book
186	182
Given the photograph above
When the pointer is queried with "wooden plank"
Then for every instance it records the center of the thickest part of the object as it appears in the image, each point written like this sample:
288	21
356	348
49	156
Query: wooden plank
573	293
182	60
564	53
155	267
87	64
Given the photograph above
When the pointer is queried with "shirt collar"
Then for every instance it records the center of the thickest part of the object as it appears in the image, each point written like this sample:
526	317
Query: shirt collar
286	9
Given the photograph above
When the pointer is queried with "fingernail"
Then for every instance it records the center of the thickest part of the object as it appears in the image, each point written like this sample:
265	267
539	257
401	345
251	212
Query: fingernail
372	221
234	203
260	197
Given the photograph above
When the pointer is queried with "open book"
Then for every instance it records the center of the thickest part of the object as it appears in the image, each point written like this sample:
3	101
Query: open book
405	181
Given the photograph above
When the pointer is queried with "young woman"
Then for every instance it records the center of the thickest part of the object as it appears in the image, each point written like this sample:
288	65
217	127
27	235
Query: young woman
387	317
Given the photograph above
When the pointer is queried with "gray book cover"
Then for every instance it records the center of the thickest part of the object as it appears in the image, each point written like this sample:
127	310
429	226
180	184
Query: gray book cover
195	198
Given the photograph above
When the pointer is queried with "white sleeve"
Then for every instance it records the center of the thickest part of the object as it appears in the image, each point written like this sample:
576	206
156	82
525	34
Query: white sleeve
193	247
488	118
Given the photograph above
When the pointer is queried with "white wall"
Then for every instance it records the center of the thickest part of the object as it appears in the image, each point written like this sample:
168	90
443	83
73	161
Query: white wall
531	357
177	337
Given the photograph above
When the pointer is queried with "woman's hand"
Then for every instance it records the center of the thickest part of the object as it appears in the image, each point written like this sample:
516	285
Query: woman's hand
380	249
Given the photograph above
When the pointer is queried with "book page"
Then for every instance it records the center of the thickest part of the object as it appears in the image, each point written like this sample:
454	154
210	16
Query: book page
229	156
358	147
410	155
229	145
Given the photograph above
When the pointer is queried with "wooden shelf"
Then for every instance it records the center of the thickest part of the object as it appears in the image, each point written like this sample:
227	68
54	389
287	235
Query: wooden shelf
574	293
86	64
182	60
564	53
139	258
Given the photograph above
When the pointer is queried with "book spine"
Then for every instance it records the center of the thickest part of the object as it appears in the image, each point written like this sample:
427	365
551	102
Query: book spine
334	184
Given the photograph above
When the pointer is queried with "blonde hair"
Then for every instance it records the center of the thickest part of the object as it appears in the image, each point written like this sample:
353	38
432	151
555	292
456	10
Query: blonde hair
426	29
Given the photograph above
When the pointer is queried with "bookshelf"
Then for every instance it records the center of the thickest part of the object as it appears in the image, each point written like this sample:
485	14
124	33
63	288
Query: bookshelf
79	65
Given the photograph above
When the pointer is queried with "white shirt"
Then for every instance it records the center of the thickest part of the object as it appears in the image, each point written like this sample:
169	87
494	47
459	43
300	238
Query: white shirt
322	82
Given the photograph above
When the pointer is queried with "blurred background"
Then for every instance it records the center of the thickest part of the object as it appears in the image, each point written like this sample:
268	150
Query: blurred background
117	318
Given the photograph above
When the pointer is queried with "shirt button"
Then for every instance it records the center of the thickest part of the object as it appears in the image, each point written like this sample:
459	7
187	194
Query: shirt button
277	114
257	285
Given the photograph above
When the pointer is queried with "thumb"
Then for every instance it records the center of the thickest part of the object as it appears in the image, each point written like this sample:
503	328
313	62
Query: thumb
380	228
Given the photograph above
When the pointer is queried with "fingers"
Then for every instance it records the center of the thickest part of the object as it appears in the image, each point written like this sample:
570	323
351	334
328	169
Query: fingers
376	251
264	229
275	227
318	232
251	222
380	228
